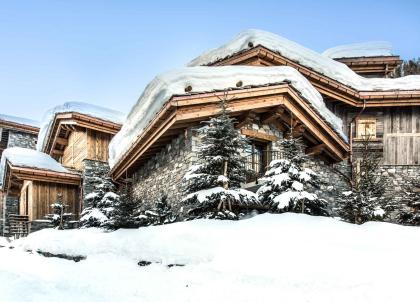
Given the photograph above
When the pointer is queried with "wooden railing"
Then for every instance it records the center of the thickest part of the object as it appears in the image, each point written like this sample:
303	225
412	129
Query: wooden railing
19	225
256	163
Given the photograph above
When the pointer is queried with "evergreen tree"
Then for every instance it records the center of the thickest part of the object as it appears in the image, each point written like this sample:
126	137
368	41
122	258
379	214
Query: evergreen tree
125	212
59	218
213	184
410	215
99	204
410	67
286	181
161	213
367	199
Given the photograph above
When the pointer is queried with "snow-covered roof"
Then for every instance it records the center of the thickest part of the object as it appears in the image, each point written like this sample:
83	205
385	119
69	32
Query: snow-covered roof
78	107
365	49
306	57
19	120
28	158
207	79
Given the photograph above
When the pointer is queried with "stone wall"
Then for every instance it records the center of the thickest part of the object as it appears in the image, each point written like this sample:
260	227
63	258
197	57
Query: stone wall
93	173
21	139
163	174
11	206
399	176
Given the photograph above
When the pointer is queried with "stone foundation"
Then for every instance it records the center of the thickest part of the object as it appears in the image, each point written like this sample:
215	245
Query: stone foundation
10	206
399	176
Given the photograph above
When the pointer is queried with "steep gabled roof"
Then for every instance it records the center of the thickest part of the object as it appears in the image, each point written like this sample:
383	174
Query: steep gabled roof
28	164
18	123
74	114
187	96
327	75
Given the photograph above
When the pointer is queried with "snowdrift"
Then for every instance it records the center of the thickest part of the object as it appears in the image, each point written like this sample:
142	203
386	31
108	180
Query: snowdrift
287	257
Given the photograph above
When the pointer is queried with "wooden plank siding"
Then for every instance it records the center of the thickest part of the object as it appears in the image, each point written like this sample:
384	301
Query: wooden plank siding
397	131
97	145
36	198
76	150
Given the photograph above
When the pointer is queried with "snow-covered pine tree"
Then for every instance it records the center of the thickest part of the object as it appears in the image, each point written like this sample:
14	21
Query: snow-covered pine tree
410	215
213	183
99	204
59	218
125	212
161	213
367	199
286	182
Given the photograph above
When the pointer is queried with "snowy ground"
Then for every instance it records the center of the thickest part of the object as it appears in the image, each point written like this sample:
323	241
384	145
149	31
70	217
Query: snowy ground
287	257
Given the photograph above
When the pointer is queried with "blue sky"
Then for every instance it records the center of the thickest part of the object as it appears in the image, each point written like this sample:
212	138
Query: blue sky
105	52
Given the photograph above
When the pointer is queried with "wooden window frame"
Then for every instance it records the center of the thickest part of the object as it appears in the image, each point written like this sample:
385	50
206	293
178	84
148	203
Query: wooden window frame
365	121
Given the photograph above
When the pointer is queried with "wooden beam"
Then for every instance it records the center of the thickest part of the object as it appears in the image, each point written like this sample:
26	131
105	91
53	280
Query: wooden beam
62	141
57	152
259	135
315	150
272	115
245	119
298	130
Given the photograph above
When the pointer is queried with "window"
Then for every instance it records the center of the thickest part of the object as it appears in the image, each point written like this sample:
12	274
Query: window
366	128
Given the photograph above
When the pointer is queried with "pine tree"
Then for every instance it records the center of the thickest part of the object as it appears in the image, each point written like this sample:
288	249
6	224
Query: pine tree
410	215
161	213
367	199
410	67
99	204
286	181
213	184
59	218
125	212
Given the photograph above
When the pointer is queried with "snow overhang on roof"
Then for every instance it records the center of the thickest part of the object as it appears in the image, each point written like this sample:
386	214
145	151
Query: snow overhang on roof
28	164
18	123
163	103
77	114
327	74
357	50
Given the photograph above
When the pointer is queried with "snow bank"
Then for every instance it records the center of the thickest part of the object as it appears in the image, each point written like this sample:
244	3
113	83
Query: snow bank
305	57
206	79
22	157
287	257
366	49
79	107
19	120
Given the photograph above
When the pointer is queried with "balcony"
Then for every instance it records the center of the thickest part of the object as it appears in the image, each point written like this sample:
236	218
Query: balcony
256	163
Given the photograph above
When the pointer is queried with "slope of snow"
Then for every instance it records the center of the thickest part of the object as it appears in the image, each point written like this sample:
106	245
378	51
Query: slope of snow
365	49
287	257
19	120
79	107
205	79
22	157
305	57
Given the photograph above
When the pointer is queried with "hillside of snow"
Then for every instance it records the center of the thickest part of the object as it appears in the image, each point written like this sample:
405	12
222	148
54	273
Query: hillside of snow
287	257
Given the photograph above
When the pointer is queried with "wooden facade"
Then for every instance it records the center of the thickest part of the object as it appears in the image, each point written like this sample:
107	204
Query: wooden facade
36	198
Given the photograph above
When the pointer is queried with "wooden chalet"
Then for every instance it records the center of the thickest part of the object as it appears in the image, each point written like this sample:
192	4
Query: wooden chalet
372	67
75	136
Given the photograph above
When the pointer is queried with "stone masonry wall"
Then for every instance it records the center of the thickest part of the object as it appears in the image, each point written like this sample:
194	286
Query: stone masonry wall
163	174
11	204
21	139
399	175
93	173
